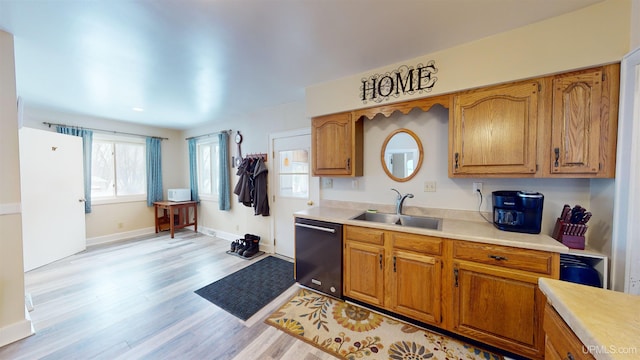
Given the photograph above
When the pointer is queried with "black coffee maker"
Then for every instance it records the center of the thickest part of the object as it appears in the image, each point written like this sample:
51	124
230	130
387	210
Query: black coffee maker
518	211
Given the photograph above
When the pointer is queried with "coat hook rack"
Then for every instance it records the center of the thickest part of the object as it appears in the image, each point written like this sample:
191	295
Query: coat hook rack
262	156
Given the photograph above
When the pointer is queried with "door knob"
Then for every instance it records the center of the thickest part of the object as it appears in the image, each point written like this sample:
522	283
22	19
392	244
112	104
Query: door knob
81	200
310	202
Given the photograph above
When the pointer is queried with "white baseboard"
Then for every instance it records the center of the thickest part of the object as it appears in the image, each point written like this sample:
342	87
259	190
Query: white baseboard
10	208
268	248
17	331
119	236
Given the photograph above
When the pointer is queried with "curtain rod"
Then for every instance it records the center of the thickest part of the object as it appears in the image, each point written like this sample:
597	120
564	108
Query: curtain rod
106	131
209	134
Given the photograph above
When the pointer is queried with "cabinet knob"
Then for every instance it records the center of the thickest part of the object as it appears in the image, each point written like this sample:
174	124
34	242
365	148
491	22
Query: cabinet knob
497	257
557	153
457	157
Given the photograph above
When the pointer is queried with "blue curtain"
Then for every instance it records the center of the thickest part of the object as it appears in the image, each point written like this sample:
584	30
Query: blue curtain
154	170
87	145
224	201
193	169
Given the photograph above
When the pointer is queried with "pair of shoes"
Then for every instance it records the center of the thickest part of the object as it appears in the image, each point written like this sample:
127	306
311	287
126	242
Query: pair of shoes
241	246
253	247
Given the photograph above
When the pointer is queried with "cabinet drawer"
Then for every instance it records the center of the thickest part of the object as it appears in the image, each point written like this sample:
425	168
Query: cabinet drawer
418	243
367	235
514	258
560	339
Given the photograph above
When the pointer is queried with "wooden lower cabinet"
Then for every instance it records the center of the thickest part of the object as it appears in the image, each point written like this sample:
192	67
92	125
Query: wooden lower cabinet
416	286
363	272
500	307
396	278
561	342
481	291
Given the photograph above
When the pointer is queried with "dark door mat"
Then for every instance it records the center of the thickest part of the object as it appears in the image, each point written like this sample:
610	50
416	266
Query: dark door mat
248	290
246	258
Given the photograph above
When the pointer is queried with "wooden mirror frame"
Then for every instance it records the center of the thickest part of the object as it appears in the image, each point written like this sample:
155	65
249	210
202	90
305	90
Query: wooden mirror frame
420	157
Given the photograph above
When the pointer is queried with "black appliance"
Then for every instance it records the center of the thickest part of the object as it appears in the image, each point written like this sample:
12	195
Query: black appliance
318	256
518	211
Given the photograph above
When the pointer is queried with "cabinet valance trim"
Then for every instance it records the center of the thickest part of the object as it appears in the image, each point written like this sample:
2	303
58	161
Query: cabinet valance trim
404	107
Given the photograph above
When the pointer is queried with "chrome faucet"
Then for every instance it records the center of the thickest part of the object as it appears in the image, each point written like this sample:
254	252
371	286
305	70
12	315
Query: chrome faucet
400	200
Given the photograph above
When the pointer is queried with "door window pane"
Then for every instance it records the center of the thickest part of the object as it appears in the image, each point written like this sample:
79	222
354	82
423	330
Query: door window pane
294	173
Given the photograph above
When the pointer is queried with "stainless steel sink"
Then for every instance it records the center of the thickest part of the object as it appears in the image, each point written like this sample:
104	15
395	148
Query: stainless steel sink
379	218
422	222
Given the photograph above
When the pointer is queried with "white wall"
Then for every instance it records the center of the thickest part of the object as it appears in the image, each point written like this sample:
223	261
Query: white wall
14	324
111	221
255	129
594	35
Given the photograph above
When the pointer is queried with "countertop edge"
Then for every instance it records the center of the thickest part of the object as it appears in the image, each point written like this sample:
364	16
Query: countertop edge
572	321
344	216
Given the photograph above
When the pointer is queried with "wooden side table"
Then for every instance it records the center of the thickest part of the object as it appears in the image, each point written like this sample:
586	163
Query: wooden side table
175	215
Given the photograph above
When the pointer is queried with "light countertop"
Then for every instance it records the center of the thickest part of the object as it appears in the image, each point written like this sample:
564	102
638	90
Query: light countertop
476	231
607	322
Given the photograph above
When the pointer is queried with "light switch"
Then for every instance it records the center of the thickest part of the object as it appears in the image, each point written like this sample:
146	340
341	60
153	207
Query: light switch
429	186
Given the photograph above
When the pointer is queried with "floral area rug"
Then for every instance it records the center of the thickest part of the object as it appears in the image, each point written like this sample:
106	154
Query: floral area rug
351	332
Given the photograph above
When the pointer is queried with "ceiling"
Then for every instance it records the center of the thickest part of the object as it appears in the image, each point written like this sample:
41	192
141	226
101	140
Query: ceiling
191	62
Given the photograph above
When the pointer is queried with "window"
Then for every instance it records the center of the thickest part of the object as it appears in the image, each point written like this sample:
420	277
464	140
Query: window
118	167
294	173
207	164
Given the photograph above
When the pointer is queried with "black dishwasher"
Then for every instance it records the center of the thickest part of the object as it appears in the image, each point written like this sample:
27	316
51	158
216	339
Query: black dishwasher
318	256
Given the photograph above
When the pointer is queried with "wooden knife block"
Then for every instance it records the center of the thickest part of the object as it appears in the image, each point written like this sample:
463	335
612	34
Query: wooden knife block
562	231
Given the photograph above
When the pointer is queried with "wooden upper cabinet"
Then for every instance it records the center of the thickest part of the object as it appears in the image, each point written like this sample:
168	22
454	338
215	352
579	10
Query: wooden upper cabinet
337	145
584	123
492	132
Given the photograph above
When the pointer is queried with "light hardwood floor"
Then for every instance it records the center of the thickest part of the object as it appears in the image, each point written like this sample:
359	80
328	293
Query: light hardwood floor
135	300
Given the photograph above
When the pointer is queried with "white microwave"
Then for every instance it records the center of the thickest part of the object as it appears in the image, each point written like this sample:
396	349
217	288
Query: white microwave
179	194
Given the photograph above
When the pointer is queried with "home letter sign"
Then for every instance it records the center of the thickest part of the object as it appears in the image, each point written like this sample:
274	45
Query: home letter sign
403	80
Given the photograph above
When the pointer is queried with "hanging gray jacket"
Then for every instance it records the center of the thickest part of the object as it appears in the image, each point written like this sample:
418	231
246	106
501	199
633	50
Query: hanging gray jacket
242	188
260	196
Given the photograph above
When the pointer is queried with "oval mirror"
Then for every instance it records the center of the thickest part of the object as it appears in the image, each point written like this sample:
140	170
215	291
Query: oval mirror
401	155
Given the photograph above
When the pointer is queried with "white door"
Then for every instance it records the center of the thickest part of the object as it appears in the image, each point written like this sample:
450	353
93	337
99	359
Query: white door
295	189
51	179
626	229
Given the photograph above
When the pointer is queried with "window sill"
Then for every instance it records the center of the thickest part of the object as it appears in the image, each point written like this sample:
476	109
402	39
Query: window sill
119	200
208	198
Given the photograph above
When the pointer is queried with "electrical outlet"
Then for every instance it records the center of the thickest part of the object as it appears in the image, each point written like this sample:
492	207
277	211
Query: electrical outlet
429	186
327	183
477	186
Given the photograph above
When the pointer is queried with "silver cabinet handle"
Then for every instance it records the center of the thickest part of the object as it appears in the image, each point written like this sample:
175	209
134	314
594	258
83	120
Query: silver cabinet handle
316	228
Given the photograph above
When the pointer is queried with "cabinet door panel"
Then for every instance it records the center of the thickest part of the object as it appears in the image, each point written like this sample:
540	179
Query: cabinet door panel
363	272
416	286
576	123
494	130
560	339
496	307
336	141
